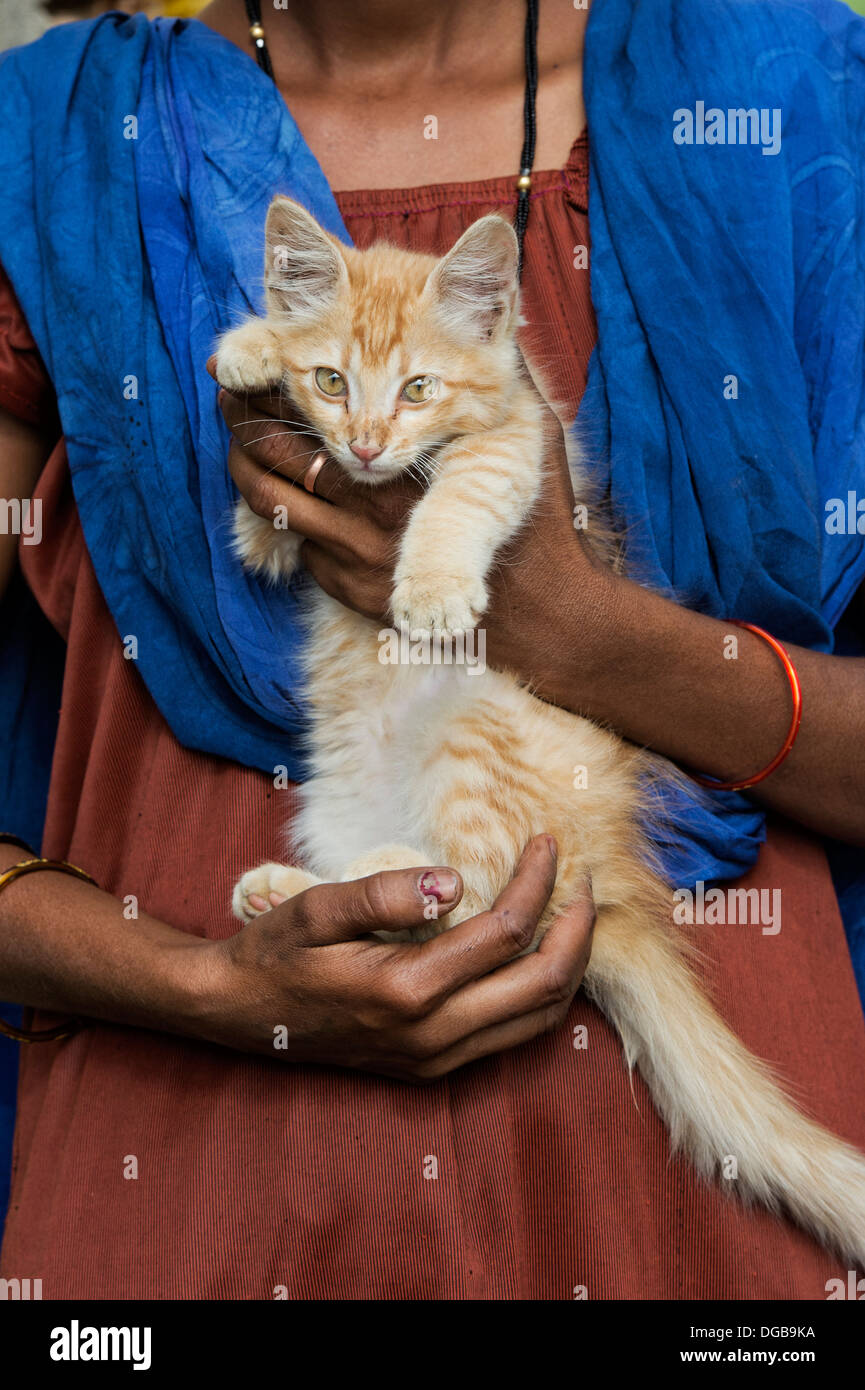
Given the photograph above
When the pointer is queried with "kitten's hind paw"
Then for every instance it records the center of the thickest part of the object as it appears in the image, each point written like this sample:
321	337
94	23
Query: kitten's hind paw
446	604
251	896
265	550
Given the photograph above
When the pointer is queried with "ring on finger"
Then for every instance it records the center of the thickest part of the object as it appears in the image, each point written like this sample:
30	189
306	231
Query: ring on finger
313	471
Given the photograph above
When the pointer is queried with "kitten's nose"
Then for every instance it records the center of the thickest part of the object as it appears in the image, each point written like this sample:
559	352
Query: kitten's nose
365	452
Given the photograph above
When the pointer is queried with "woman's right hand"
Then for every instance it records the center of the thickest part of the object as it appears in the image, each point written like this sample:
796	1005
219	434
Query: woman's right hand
306	982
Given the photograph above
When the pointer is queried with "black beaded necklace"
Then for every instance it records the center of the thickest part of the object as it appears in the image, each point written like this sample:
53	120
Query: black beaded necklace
527	158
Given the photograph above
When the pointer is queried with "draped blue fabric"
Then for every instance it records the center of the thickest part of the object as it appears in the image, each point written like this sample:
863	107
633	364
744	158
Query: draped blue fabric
725	406
137	161
719	260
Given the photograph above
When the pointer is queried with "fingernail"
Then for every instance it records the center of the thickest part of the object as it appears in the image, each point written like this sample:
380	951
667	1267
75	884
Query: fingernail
552	846
440	884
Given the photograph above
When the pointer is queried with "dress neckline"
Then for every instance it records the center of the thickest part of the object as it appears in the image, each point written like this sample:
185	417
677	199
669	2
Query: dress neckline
572	178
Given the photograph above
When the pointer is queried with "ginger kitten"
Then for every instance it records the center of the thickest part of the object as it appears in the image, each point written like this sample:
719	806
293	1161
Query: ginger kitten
399	361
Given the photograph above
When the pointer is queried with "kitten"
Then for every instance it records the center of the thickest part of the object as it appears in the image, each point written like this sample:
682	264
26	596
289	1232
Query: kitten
397	361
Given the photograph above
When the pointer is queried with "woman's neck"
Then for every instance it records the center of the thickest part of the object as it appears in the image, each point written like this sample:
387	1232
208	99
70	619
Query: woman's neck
363	77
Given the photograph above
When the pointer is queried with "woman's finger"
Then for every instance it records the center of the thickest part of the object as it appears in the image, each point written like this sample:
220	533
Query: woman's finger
281	443
547	979
492	938
271	496
499	1038
310	515
392	900
263	490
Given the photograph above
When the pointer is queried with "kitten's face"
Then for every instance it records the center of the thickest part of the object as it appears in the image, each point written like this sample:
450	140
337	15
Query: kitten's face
386	353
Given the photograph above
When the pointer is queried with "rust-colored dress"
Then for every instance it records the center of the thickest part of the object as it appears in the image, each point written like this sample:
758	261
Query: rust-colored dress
552	1175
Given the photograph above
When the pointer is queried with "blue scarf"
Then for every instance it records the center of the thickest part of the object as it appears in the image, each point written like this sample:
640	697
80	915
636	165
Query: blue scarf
725	401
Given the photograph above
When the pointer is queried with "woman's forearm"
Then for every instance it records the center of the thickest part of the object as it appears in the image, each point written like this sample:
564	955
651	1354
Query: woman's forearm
712	697
307	981
66	946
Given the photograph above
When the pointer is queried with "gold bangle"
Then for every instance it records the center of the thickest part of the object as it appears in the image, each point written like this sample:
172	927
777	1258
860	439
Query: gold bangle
31	866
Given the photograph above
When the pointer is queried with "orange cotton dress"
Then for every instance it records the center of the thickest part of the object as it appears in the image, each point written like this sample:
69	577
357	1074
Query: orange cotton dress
553	1174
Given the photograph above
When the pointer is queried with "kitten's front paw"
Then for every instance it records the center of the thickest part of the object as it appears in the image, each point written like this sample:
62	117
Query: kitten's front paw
248	364
442	603
258	884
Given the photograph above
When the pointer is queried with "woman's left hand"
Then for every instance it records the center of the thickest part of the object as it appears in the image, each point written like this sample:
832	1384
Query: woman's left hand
352	538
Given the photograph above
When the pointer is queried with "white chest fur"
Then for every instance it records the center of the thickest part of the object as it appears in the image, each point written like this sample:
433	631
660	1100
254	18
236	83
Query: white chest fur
375	729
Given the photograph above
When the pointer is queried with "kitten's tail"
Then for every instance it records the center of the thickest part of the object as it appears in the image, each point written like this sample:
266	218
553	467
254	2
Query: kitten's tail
720	1103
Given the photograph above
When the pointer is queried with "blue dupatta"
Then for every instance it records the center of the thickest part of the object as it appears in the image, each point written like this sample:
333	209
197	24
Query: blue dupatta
137	161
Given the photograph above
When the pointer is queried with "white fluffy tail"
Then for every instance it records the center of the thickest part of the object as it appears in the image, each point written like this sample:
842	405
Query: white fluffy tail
720	1102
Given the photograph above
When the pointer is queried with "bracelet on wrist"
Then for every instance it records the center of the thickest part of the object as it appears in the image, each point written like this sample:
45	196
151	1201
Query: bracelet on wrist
792	675
30	866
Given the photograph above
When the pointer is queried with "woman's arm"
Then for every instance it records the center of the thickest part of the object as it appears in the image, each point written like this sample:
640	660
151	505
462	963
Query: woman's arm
306	981
591	641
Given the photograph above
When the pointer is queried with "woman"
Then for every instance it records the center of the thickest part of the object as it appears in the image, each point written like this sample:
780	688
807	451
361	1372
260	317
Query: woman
152	1164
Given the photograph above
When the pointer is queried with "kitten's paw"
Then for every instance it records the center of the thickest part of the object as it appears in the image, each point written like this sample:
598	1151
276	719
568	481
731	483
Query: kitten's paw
265	549
258	884
446	604
248	363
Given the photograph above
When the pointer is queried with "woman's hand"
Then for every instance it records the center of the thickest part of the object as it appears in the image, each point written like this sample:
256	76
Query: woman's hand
309	968
352	531
306	982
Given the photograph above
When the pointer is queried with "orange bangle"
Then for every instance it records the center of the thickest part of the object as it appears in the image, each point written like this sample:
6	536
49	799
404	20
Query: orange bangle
795	690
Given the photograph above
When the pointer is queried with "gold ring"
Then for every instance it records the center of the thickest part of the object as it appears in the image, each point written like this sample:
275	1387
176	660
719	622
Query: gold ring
313	471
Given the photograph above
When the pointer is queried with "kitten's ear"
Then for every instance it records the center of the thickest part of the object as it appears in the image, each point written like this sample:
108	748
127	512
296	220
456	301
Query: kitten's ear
476	283
303	267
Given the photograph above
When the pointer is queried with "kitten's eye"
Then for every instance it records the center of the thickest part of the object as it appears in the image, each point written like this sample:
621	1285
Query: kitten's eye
330	382
420	389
